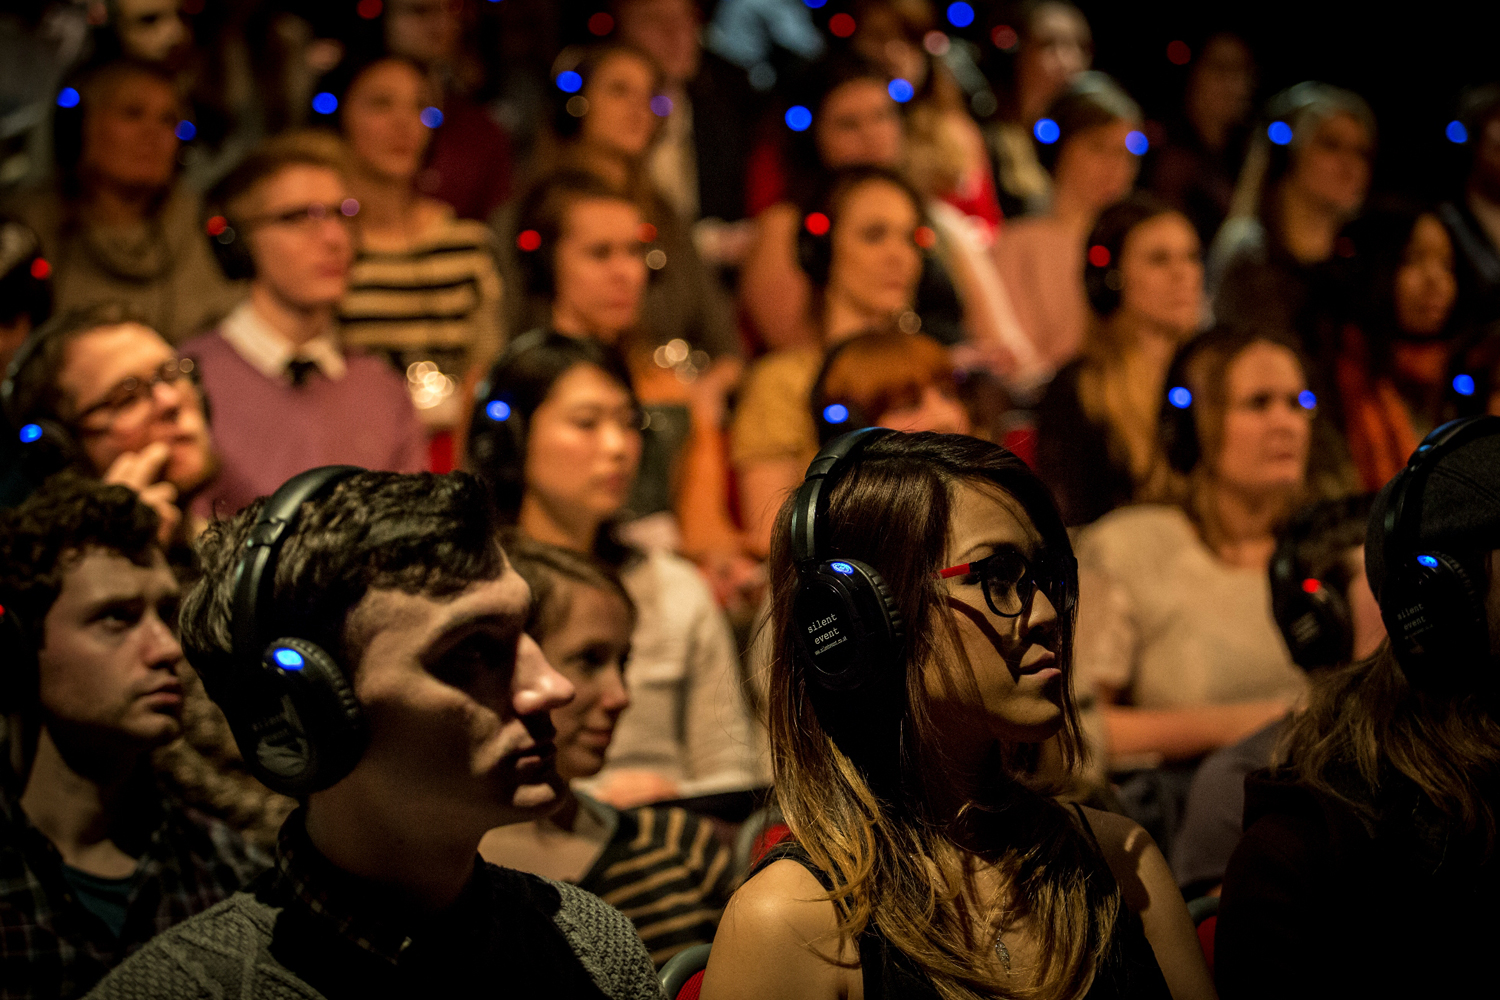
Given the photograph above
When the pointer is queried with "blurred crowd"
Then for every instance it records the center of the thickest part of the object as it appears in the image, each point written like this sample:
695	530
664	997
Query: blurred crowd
635	265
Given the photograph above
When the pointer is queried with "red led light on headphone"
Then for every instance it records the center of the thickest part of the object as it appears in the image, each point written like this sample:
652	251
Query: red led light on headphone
1099	255
648	233
817	223
40	269
529	240
1311	586
924	237
217	225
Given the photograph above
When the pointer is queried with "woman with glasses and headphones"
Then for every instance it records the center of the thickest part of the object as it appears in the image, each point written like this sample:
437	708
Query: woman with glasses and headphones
924	594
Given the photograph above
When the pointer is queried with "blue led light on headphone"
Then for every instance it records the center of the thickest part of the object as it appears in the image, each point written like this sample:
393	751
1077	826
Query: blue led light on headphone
1456	132
1307	400
835	413
498	411
1046	131
288	659
841	567
431	117
900	90
185	130
1280	133
325	103
1463	385
1137	143
569	82
30	433
960	14
798	118
1429	561
1180	397
68	98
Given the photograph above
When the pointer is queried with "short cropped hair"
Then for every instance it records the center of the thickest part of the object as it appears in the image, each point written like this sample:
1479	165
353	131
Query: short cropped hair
546	567
33	390
308	148
418	533
44	537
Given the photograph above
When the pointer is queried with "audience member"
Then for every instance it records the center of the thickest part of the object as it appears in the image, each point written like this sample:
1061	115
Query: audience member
1329	618
558	439
118	226
886	378
98	854
1305	176
468	163
662	867
1052	44
906	734
1383	813
1175	633
286	396
1088	153
859	254
99	391
1473	218
1399	341
1196	168
1097	422
425	286
363	632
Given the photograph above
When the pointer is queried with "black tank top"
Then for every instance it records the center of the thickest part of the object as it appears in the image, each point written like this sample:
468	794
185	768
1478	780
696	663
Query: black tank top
1129	970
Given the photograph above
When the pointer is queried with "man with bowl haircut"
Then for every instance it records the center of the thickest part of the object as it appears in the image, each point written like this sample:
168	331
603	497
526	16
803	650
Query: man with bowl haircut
97	856
389	594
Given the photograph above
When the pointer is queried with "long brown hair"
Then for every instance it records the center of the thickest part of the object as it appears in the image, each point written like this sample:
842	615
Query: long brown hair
893	856
1365	724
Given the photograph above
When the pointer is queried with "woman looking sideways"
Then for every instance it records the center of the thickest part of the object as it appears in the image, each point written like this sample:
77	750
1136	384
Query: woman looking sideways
927	862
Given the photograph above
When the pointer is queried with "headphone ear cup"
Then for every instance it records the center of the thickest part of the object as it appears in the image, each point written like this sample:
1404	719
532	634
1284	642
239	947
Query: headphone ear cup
1437	620
497	452
48	450
849	631
304	730
232	253
1102	285
853	419
814	254
1179	437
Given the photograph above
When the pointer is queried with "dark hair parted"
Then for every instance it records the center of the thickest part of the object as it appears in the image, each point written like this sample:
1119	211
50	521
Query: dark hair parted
893	856
1102	280
549	570
1089	100
815	249
308	148
1366	731
44	537
569	110
22	292
544	210
417	533
32	388
93	84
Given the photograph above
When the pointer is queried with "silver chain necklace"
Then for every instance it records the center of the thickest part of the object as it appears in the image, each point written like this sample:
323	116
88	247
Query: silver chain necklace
1002	953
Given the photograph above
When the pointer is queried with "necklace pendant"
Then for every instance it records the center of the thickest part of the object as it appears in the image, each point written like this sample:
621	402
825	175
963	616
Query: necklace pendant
1003	954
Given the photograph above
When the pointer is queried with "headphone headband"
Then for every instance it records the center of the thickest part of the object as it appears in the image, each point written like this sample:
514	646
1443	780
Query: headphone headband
255	576
809	503
1400	525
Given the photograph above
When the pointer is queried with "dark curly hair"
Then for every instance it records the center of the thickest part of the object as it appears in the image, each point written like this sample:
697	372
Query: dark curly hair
44	537
417	533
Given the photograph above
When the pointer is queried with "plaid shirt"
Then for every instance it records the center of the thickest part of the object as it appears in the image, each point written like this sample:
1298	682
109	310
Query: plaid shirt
52	947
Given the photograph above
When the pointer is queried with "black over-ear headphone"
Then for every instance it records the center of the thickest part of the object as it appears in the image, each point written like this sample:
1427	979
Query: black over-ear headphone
230	245
290	707
1433	608
834	417
47	446
850	636
18	677
815	247
1311	604
1178	426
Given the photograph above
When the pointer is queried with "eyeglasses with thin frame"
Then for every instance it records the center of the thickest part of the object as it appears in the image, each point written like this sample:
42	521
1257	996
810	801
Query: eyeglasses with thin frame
308	216
1009	582
133	391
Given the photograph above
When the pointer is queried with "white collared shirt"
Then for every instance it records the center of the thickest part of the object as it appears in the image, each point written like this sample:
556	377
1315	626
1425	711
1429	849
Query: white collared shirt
268	351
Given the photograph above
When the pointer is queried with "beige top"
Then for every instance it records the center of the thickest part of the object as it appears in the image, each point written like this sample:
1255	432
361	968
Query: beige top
688	720
1041	265
772	419
1164	620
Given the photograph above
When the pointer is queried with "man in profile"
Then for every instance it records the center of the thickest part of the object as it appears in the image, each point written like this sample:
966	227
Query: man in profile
378	890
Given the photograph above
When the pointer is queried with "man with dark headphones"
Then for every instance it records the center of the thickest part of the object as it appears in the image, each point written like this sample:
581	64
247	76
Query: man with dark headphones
286	395
362	632
98	853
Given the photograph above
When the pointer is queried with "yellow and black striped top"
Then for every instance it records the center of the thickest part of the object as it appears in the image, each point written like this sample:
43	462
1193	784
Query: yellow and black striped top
665	870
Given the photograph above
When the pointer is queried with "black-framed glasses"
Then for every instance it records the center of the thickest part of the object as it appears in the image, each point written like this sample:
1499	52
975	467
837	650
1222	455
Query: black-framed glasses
1010	583
306	216
133	391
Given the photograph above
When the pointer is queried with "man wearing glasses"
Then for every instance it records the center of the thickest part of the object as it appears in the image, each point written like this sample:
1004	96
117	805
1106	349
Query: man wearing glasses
98	391
284	393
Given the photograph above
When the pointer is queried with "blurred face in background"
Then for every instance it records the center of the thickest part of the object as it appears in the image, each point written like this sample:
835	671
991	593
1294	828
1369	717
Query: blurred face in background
1221	85
425	30
583	448
1161	274
1334	167
1425	285
1267	431
130	131
934	408
599	269
668	31
1058	47
858	125
876	263
150	29
589	647
1484	178
301	240
619	93
382	118
1095	167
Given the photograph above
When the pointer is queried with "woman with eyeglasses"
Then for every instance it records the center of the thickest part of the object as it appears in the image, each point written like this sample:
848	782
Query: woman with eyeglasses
928	858
557	435
424	290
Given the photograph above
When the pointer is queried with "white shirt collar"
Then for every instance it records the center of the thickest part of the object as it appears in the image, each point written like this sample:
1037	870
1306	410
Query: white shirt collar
266	350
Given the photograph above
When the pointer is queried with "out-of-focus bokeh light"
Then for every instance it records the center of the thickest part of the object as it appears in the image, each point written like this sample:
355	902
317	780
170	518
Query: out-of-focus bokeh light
369	9
1178	53
498	411
529	240
325	103
1308	399
960	14
67	98
601	24
569	82
431	117
1004	37
40	269
1180	397
817	223
816	4
1099	255
1463	384
185	130
901	90
835	413
661	105
936	43
1456	132
798	118
1046	131
1279	132
1137	143
842	25
349	208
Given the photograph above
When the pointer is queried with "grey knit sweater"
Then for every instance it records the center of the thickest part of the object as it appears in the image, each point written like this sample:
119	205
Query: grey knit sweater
226	952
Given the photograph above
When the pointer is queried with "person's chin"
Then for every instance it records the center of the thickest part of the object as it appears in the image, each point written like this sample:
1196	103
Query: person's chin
538	799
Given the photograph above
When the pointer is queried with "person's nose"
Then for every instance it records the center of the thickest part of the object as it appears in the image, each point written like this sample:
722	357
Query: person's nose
1042	622
160	649
167	395
614	696
537	686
